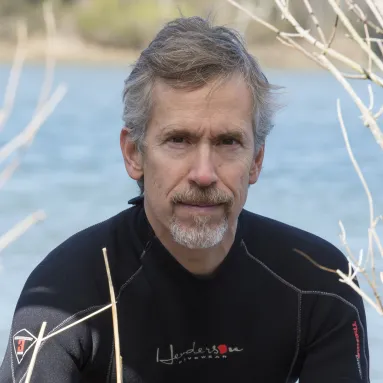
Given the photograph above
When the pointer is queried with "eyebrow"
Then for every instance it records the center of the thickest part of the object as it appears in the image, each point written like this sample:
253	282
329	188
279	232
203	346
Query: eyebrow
172	130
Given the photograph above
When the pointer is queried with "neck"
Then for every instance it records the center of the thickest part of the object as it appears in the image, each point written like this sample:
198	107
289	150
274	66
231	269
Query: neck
197	261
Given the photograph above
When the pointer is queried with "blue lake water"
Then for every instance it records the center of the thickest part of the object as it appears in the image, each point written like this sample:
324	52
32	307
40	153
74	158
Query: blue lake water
74	171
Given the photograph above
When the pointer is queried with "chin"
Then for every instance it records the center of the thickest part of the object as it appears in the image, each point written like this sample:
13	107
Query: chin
198	235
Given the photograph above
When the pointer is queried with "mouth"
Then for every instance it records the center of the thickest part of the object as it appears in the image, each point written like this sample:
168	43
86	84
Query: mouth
199	204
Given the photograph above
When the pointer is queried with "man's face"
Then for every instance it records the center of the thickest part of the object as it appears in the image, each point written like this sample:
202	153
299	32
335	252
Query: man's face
198	160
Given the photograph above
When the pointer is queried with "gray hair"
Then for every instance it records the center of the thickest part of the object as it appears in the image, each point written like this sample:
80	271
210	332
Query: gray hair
188	53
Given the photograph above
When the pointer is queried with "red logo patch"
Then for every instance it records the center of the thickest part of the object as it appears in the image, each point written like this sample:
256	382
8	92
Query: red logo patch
23	341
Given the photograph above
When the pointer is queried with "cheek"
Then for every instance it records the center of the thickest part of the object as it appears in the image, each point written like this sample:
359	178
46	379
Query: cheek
162	173
236	175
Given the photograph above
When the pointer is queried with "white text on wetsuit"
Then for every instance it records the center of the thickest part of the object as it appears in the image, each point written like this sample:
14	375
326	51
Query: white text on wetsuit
214	352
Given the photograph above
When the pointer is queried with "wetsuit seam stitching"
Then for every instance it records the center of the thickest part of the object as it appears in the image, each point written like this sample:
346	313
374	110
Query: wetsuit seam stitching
127	282
273	273
298	340
314	292
108	377
135	274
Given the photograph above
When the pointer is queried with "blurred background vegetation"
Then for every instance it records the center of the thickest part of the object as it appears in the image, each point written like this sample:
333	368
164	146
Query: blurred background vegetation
131	24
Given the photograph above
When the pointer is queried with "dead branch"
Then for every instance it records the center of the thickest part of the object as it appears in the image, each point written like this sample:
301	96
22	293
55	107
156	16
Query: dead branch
20	228
50	61
353	7
315	21
14	77
312	40
375	11
369	119
355	35
333	33
27	135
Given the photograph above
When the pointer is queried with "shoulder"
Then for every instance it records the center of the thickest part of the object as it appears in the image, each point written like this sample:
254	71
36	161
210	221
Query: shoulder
77	264
292	253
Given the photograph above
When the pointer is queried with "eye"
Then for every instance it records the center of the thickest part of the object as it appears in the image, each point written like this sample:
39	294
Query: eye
229	141
177	140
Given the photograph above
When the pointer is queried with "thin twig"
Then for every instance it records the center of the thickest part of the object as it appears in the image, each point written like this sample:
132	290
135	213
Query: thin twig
331	52
7	173
371	97
354	286
360	269
50	26
365	186
375	11
20	228
380	45
362	16
35	351
333	33
324	268
315	21
350	255
295	45
377	241
374	39
14	77
77	322
367	33
355	35
355	163
379	113
30	131
368	117
115	319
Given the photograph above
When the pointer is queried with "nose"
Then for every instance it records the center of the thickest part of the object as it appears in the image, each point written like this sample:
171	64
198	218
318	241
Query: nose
203	171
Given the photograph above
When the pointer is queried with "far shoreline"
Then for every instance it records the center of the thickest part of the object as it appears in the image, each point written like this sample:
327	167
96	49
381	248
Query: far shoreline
65	50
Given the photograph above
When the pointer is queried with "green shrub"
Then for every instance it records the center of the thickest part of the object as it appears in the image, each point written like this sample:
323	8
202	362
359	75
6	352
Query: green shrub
129	24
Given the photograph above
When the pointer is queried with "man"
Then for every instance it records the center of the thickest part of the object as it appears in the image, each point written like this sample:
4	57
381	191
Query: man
206	291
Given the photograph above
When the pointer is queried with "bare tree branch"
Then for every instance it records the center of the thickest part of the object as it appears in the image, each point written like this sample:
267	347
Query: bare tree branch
346	22
362	16
14	77
315	21
375	11
367	116
27	135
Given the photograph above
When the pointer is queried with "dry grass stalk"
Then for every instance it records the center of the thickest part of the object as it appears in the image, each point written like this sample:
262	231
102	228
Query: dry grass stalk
329	58
115	320
78	322
97	312
35	352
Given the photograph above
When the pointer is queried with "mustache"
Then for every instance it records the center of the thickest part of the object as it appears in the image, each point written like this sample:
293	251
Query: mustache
203	197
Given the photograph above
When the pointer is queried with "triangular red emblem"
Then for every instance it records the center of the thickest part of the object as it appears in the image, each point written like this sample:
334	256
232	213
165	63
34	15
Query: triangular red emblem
23	341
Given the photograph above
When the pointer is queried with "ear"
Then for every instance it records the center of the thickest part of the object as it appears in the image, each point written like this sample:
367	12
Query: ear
132	157
256	166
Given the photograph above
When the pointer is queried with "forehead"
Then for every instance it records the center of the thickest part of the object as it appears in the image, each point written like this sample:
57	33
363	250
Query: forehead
228	102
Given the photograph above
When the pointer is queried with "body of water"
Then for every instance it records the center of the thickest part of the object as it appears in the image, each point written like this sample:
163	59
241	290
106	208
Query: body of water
74	171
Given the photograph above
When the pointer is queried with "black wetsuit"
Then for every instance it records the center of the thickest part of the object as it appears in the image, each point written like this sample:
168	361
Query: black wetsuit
267	315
